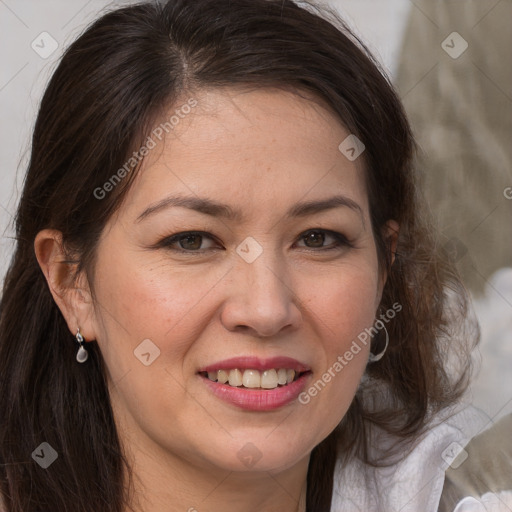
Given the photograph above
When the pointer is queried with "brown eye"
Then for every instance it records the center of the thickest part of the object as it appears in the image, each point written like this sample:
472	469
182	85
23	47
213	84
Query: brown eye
315	239
191	242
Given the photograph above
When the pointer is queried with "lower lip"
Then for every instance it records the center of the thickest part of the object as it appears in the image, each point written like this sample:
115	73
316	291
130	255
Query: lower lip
258	400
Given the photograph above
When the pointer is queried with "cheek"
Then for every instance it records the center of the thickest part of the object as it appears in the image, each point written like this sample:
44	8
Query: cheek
341	309
167	307
345	300
138	301
346	304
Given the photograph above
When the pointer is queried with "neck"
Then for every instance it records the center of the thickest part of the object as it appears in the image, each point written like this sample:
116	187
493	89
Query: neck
164	483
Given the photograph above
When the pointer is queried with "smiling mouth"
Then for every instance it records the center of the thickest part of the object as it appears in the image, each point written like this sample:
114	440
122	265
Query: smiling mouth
254	379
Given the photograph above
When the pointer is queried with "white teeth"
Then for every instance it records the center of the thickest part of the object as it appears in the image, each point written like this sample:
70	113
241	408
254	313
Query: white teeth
268	379
235	378
251	379
281	376
222	376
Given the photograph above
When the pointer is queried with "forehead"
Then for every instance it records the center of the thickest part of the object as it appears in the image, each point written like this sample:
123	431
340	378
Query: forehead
256	149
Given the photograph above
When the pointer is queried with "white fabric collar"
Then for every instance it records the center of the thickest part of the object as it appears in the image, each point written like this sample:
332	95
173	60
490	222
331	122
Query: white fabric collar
416	482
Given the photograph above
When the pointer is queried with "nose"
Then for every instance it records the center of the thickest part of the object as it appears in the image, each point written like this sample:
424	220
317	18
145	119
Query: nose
261	300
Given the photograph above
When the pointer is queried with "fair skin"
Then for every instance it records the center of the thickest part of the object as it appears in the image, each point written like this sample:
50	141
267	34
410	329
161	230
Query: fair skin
262	153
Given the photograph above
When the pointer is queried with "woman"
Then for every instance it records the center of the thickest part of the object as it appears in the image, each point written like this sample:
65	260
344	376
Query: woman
225	292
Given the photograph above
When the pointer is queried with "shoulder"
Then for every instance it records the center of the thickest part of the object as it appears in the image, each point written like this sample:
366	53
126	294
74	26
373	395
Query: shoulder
415	479
483	477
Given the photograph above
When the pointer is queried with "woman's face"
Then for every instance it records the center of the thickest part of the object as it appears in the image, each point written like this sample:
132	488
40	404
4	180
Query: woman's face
284	266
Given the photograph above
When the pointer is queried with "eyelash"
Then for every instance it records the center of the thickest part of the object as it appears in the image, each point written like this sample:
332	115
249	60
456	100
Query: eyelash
340	240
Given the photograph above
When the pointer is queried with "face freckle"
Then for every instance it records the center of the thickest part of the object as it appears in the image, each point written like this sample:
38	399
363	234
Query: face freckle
262	154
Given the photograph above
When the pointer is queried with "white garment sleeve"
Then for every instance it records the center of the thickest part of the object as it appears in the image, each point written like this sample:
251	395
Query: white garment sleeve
489	502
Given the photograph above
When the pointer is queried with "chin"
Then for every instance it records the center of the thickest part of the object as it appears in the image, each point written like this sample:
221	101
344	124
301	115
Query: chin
260	454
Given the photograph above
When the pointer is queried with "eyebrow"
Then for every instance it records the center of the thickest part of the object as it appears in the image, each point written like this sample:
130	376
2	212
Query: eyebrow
216	209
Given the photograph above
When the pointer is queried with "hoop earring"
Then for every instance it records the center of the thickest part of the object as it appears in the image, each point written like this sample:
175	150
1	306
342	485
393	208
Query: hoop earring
82	355
373	358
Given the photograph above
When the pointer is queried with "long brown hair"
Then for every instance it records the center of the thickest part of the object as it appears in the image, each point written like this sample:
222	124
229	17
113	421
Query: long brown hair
98	108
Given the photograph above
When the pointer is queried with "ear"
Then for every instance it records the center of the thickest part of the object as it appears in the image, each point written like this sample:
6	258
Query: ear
70	292
390	232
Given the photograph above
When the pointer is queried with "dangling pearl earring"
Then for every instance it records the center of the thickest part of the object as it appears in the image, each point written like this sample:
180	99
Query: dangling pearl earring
82	355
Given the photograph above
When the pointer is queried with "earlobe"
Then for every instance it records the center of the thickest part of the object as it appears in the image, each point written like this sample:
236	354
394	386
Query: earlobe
71	293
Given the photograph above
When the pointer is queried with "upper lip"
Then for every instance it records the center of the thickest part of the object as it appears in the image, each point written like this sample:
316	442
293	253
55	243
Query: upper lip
255	363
